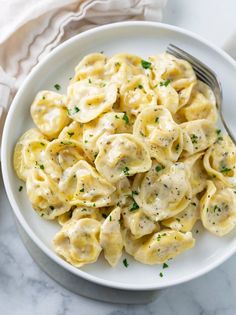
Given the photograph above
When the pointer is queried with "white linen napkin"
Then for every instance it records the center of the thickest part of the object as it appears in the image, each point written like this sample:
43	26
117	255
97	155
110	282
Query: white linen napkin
31	29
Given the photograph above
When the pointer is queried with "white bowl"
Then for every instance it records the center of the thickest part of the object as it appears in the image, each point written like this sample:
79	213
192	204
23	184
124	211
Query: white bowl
143	39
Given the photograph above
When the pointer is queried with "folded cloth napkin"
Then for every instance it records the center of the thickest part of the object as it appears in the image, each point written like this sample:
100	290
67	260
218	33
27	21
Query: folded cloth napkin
31	29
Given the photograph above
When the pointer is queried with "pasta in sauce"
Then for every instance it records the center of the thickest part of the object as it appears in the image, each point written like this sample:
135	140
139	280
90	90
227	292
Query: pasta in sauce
129	159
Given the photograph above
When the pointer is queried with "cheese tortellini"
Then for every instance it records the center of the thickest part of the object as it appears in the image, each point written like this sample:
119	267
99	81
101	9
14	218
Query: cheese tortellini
122	155
218	209
129	159
49	113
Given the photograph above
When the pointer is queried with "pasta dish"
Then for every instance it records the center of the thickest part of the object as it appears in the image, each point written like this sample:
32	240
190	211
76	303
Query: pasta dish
129	159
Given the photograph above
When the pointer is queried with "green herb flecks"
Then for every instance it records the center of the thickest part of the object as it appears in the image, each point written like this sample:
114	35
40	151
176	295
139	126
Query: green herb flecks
159	168
225	170
126	171
146	64
194	138
165	266
125	118
165	83
125	263
135	206
57	87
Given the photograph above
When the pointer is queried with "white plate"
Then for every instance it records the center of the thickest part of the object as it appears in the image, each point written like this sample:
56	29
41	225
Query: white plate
143	39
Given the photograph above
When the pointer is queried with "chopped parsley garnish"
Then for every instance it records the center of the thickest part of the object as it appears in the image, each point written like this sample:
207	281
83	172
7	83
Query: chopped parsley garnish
135	206
95	155
126	171
44	97
160	236
125	263
89	81
218	131
146	64
110	218
165	83
57	87
82	189
177	147
161	274
117	117
165	266
193	204
83	210
159	168
70	133
117	64
104	215
70	78
20	188
134	192
194	138
225	169
74	111
42	144
140	86
157	120
125	118
51	207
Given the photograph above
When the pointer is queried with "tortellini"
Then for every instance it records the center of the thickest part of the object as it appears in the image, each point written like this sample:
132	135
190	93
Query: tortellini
129	159
49	113
136	95
163	245
29	152
167	67
185	220
86	101
83	185
218	209
198	135
123	67
163	136
61	155
220	160
90	67
45	196
78	241
163	191
72	132
122	155
106	124
201	105
137	221
196	172
111	237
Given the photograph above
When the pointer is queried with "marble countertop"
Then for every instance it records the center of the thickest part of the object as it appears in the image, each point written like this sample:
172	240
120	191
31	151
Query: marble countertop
26	290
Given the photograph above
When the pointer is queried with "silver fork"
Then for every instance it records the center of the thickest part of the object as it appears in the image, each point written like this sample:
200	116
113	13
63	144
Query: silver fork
205	74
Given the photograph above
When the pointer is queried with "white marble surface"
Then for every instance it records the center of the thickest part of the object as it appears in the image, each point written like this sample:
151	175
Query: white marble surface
26	290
